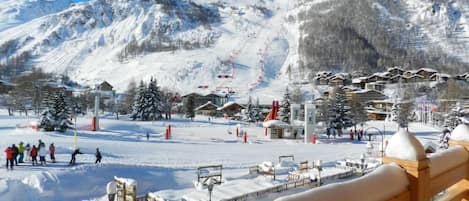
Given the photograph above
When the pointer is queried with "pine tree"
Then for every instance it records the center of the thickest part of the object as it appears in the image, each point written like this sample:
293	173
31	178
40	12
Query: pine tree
153	104
62	112
46	118
402	114
340	112
189	107
394	111
284	113
324	112
257	112
444	138
453	118
296	95
359	113
402	111
56	114
248	112
138	110
131	92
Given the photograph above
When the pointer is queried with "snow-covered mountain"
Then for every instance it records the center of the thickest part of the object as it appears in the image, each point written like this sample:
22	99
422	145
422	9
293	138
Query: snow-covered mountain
443	24
187	45
369	35
245	46
15	12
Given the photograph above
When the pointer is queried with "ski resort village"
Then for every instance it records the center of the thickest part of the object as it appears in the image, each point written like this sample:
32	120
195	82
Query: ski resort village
234	100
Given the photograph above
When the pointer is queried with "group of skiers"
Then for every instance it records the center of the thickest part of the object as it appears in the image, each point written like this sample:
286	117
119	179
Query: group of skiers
21	153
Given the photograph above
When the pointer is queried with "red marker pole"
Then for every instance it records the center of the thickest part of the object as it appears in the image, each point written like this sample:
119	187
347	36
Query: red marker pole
265	131
169	128
237	132
313	138
93	124
166	134
245	137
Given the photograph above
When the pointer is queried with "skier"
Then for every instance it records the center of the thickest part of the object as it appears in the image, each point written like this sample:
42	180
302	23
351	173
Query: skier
148	136
9	157
27	150
42	154
52	152
351	134
15	153
39	142
33	154
21	152
328	133
98	156
77	151
111	189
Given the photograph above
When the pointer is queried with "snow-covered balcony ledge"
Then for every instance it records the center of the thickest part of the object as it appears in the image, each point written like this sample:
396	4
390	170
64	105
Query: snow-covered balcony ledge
425	176
388	182
460	136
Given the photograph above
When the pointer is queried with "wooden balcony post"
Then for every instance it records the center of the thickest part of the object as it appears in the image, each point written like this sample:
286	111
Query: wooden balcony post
406	151
460	137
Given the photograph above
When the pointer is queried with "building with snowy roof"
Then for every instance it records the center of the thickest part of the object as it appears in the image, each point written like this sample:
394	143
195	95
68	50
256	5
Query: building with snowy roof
201	99
393	71
397	79
231	108
359	82
441	77
5	87
378	77
414	78
426	73
378	86
363	96
337	81
208	109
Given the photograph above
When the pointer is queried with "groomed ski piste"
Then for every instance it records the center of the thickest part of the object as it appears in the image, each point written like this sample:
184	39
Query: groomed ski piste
166	168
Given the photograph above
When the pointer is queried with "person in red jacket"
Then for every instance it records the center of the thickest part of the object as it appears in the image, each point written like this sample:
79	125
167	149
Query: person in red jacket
34	155
52	152
9	156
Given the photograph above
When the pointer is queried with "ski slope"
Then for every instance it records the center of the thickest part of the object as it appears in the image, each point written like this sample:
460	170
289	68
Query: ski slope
250	44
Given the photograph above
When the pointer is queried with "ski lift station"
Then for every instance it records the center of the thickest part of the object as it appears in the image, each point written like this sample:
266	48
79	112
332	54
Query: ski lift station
299	127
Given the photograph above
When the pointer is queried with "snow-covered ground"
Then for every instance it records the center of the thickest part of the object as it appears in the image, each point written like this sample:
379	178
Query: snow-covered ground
166	167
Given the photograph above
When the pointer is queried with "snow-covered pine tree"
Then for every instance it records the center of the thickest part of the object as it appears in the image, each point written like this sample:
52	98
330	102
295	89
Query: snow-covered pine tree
284	112
453	118
257	111
394	111
46	118
189	107
340	111
56	114
403	114
138	110
153	101
62	112
130	98
296	95
444	138
248	112
76	108
359	114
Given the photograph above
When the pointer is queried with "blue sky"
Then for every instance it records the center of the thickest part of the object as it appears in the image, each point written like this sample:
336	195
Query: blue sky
79	0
